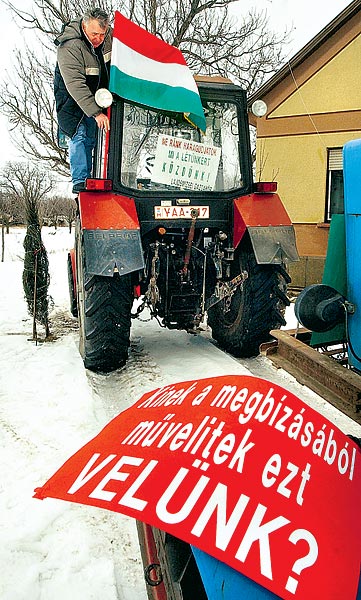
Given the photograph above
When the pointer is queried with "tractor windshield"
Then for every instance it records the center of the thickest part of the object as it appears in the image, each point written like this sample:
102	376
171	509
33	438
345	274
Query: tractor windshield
166	152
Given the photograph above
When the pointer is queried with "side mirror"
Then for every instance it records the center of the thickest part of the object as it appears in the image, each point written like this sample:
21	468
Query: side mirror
103	98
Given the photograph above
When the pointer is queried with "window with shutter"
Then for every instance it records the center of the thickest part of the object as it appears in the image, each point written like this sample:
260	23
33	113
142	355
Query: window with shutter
334	197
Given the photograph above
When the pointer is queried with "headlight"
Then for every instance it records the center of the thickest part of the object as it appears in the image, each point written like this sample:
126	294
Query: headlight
103	98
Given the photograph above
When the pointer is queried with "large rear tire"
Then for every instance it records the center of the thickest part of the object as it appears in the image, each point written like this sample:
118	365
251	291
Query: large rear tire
72	293
243	324
104	308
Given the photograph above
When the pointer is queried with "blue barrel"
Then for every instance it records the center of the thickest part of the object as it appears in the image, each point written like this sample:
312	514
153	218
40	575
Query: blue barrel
352	195
221	582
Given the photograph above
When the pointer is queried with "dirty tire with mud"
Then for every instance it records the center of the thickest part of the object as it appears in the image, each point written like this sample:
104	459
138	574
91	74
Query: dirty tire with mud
243	324
106	321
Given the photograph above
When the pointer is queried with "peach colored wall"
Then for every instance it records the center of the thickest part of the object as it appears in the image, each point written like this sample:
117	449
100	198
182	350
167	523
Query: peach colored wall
334	88
314	108
299	165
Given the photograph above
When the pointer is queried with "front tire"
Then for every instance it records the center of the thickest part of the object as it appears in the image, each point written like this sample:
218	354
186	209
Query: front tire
242	324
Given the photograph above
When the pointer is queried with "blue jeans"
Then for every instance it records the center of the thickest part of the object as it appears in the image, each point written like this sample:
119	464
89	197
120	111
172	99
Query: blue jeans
81	147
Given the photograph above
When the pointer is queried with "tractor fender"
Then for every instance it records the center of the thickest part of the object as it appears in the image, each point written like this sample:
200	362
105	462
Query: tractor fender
111	234
269	226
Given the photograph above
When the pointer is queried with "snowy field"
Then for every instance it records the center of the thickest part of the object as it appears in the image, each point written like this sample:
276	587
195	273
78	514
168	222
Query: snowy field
50	406
52	550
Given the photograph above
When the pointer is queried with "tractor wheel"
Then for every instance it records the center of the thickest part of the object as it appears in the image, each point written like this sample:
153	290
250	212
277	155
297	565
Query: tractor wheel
72	293
104	308
241	324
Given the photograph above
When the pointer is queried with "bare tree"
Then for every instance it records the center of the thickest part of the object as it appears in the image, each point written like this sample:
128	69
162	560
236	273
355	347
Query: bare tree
59	210
30	185
27	100
6	215
212	41
26	184
11	212
2	242
6	209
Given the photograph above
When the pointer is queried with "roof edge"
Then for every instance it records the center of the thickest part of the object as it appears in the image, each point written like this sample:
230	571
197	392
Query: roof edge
311	46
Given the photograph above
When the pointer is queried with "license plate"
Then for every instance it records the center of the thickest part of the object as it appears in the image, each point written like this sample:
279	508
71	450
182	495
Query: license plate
180	212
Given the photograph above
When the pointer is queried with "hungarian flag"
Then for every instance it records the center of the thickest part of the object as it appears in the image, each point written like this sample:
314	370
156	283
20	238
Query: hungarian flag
148	71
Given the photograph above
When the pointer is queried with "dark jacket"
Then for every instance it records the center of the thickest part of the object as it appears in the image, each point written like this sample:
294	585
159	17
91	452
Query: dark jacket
78	75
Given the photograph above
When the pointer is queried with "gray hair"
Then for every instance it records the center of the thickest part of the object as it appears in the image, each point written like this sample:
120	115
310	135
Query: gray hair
97	14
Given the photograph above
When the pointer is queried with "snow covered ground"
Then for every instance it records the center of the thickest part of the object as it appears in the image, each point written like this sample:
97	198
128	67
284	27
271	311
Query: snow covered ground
50	406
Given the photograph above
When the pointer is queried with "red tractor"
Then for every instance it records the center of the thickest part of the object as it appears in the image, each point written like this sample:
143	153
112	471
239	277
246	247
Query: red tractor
172	217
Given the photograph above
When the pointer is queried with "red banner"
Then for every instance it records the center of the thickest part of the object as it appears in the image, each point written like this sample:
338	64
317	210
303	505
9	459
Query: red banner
240	468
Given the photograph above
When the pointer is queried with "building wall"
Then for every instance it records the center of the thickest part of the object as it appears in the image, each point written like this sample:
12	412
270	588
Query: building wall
317	107
335	87
299	164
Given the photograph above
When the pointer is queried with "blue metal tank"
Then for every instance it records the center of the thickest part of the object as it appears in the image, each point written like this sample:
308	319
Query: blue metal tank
221	582
352	195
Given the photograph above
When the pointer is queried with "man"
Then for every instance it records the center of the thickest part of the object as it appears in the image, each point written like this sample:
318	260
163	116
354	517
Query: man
83	60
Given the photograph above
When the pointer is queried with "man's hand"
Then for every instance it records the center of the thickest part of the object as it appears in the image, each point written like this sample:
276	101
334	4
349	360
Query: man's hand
102	122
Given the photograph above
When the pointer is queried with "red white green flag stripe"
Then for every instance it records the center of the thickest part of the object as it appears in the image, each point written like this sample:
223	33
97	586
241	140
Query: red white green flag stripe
148	71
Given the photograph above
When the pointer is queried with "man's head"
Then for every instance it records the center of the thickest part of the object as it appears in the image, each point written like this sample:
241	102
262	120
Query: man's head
95	24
